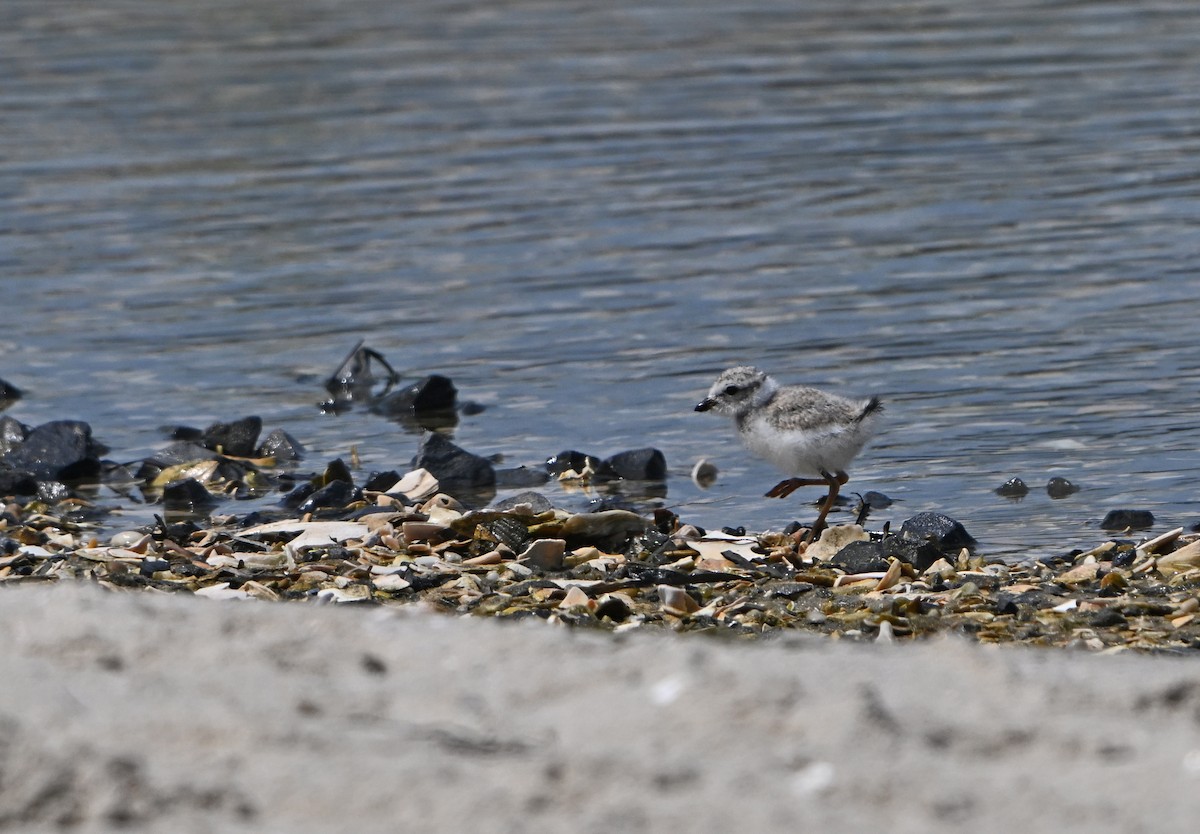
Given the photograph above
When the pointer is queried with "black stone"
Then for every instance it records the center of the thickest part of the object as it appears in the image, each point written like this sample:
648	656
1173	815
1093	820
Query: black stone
281	446
536	501
1107	618
860	557
940	530
187	494
337	470
382	481
335	495
876	500
239	438
1131	519
1124	558
17	482
181	451
646	464
1013	488
61	450
570	460
520	477
455	468
432	394
918	554
298	495
1060	488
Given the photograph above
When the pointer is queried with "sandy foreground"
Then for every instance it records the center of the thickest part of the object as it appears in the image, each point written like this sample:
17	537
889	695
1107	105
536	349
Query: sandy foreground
128	711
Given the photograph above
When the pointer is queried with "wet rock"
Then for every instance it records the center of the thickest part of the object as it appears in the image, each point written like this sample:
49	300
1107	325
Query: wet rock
860	557
382	481
1127	519
335	494
16	482
434	393
336	470
535	501
1060	488
9	394
298	495
181	451
941	531
187	495
571	461
355	378
239	438
60	450
876	500
12	434
53	491
455	468
520	477
1013	488
646	464
281	446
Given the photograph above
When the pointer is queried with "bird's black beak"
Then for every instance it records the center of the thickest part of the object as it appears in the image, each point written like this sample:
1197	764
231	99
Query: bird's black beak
705	404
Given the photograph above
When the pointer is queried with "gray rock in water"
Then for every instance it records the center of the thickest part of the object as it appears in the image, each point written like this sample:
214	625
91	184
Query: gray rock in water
239	438
335	494
536	502
455	468
647	464
9	394
570	460
520	477
281	446
939	530
187	495
1013	488
1060	488
62	450
433	393
1127	519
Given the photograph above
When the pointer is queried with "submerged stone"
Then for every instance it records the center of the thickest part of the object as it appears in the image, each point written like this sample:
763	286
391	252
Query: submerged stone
1013	488
239	438
281	446
648	464
434	393
187	494
1060	488
520	476
1127	519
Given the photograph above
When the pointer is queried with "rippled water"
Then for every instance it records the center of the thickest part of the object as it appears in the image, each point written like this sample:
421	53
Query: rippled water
985	213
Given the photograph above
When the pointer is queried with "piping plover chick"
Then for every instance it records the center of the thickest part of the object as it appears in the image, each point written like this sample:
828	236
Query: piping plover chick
809	434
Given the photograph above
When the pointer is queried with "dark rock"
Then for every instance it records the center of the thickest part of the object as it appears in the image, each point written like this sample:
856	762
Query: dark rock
1107	618
9	394
520	477
298	495
61	450
455	468
335	494
187	494
354	379
1060	488
876	500
432	394
190	434
1127	519
12	434
336	470
1124	558
17	482
918	554
734	531
647	464
536	501
151	566
571	461
940	530
860	557
281	446
1013	488
382	481
239	438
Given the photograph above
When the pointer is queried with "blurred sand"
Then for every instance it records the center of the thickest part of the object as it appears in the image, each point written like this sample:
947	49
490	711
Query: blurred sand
170	713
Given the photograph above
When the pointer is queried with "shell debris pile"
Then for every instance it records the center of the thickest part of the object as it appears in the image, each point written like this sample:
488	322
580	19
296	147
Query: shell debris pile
620	570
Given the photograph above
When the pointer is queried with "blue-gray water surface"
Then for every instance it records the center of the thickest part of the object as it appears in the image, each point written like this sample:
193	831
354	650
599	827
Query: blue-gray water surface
986	213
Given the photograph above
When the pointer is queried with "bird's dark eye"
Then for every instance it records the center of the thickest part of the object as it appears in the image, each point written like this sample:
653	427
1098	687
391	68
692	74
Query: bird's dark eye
731	390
